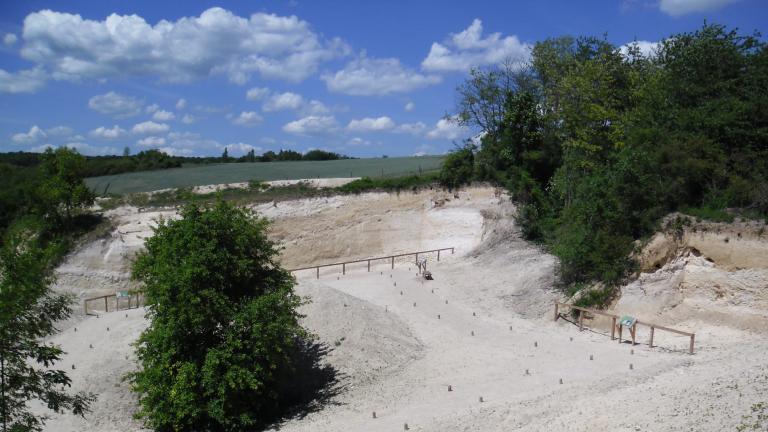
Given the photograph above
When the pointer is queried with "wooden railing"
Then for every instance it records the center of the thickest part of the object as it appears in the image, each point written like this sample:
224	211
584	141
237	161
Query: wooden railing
343	265
614	317
134	294
391	258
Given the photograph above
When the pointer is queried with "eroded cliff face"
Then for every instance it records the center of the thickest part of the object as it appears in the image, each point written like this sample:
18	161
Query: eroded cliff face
702	272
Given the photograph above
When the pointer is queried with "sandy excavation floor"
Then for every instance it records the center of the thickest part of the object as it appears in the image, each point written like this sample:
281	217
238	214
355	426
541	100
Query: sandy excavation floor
483	321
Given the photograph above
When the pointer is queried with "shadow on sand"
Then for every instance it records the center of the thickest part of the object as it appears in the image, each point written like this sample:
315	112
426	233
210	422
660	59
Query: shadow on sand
309	386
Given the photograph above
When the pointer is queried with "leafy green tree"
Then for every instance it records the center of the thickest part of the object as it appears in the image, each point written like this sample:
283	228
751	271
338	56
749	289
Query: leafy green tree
223	322
28	311
62	190
459	166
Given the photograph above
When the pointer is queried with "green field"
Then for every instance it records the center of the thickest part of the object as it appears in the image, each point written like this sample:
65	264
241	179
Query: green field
198	175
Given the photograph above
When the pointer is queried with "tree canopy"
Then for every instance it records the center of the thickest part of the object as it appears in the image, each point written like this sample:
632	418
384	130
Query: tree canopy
223	322
598	142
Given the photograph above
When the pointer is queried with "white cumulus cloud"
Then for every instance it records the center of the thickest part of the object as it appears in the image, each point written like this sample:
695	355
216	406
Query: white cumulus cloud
151	141
256	93
682	7
9	39
216	42
163	115
116	105
283	101
34	135
108	133
311	125
247	118
150	128
60	131
369	76
468	48
188	119
411	128
181	104
370	124
647	49
24	81
410	106
447	129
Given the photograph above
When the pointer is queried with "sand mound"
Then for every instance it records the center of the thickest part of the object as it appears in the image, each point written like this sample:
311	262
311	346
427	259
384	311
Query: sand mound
366	342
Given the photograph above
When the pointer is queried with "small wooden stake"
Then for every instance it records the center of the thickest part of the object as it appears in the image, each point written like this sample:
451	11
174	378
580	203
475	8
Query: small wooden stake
472	332
450	389
536	344
561	380
405	426
438	316
374	414
481	399
631	366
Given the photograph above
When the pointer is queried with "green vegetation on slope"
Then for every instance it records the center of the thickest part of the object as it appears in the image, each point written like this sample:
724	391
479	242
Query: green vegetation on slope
597	144
41	215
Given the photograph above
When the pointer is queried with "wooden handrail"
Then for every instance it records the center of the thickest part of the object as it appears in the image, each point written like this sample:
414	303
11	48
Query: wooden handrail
368	260
614	317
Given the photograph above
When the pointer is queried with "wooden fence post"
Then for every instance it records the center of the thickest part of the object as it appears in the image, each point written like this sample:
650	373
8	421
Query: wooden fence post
343	268
556	314
369	265
393	262
613	328
85	306
691	348
650	343
581	320
438	254
451	251
106	305
318	272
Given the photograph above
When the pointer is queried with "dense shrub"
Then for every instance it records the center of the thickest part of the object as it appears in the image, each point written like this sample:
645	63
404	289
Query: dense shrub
223	322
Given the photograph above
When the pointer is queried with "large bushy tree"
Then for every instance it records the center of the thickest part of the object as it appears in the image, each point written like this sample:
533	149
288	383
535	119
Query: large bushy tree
223	322
598	142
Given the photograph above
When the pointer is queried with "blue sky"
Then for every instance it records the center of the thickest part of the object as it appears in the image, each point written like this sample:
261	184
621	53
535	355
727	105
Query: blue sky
356	77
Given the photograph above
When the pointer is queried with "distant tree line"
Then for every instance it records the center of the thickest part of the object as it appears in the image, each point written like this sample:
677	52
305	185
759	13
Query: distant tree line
597	143
149	160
